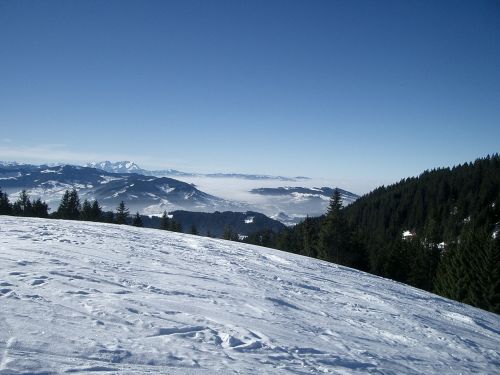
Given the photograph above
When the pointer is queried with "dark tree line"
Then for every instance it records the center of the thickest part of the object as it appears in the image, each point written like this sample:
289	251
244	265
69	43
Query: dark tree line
452	215
23	206
168	223
71	208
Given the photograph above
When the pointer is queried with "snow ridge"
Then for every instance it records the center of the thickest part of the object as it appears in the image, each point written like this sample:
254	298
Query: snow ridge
82	297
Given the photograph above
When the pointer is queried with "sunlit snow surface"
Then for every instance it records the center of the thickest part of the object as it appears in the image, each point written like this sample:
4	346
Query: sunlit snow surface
83	297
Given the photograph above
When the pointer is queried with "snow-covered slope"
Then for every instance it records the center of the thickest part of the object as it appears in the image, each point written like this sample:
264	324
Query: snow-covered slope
82	297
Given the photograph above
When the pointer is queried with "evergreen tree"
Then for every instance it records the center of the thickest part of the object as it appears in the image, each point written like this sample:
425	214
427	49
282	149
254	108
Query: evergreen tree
396	264
74	206
70	207
175	226
334	235
137	221
5	206
40	209
62	210
229	234
165	221
86	213
23	206
469	271
96	213
423	258
283	240
194	230
108	217
490	279
484	273
122	214
266	238
307	239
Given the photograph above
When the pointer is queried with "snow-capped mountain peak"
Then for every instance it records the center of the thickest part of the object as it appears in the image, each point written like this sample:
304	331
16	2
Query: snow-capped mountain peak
124	166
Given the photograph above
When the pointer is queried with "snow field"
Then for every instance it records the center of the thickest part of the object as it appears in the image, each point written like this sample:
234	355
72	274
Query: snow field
91	297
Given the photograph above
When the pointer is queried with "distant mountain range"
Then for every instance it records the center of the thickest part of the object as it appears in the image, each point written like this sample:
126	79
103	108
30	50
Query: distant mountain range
302	193
147	194
131	167
152	192
292	204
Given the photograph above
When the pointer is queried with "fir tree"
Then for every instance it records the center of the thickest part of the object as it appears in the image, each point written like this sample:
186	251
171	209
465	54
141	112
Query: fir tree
40	209
175	226
165	221
74	206
491	277
5	206
137	221
62	210
69	208
307	239
469	271
108	217
86	213
96	213
23	206
122	214
334	235
228	233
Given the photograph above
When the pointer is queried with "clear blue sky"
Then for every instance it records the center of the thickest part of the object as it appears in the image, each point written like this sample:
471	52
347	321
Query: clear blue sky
373	90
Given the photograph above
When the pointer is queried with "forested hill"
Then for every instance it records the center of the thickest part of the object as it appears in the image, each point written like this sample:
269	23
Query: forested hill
438	231
440	201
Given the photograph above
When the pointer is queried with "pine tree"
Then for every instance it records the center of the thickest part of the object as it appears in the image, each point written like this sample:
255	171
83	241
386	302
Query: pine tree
62	210
423	259
23	206
108	217
307	239
137	221
175	226
86	213
74	206
469	270
40	209
484	270
334	235
70	207
5	206
122	214
165	221
491	277
448	282
194	230
96	213
228	233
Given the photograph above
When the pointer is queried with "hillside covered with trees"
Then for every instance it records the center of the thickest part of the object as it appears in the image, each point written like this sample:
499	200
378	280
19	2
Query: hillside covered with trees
438	231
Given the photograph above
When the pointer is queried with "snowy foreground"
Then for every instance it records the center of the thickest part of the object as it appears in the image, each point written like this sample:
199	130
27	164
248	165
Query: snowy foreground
84	297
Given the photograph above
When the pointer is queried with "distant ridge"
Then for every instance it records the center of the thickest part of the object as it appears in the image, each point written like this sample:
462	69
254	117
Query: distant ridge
131	167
